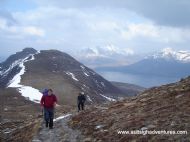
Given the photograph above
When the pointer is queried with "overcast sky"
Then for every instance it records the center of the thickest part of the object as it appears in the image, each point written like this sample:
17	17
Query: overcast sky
137	26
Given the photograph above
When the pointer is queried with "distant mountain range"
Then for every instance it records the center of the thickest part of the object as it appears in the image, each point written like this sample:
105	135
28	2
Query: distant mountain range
170	55
107	55
167	63
31	71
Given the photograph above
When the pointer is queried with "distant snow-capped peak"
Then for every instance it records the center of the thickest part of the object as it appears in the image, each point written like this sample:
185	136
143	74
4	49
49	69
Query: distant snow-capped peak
106	51
170	54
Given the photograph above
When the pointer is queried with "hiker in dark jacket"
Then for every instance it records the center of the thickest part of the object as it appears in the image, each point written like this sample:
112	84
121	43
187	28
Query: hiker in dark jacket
81	100
49	101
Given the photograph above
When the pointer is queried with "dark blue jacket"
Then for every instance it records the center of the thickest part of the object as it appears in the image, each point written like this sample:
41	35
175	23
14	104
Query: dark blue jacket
81	99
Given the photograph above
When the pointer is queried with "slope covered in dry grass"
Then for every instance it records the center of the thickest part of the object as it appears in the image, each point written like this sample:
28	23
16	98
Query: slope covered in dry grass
159	108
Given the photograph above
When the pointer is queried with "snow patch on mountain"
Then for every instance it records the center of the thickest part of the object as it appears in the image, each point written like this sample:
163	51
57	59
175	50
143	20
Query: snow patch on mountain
85	86
26	91
105	51
89	98
72	75
103	84
108	98
31	93
85	71
14	64
170	54
17	78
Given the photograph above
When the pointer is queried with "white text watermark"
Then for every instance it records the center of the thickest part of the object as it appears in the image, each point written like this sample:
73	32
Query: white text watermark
153	132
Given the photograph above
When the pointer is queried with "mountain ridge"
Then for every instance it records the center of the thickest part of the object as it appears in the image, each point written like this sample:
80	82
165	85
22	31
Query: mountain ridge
59	71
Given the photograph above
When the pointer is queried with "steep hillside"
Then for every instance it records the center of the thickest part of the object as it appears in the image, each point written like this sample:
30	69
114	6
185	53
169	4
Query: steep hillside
129	89
160	108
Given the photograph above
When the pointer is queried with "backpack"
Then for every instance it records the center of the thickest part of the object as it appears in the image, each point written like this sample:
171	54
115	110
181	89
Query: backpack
45	92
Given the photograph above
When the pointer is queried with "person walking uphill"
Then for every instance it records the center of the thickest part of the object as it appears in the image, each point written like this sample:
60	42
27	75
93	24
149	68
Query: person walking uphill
81	100
48	102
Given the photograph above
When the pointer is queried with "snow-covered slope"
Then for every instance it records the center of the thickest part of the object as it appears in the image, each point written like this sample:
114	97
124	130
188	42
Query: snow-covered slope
13	68
170	54
26	91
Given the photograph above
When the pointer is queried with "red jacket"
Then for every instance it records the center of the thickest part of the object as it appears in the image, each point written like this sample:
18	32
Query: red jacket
48	101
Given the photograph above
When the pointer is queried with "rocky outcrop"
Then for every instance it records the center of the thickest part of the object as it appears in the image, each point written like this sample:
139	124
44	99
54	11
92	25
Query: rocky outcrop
159	108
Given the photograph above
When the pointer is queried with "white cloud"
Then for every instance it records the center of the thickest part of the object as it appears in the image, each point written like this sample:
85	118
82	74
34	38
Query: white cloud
2	23
33	31
15	31
103	26
71	28
163	12
144	30
156	33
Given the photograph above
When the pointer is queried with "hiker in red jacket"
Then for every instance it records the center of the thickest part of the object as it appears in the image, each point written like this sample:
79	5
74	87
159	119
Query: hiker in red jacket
49	101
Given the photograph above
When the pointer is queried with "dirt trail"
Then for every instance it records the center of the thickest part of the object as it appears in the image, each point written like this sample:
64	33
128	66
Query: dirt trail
60	133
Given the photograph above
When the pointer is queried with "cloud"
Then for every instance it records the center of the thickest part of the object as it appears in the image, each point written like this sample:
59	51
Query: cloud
21	32
33	31
156	33
71	25
8	17
11	27
163	12
143	30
